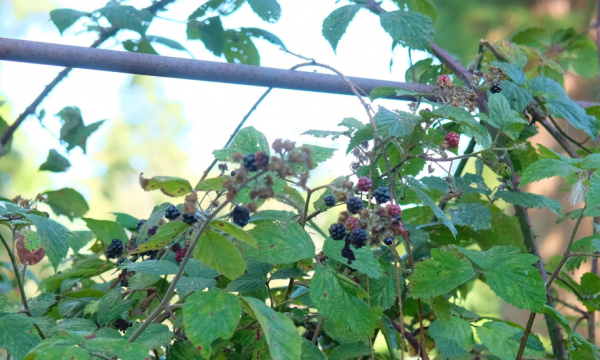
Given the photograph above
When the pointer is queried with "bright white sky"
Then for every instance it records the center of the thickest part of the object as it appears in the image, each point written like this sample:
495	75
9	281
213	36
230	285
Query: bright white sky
212	109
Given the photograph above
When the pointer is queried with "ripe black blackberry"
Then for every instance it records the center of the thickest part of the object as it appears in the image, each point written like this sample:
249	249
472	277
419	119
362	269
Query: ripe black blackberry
250	162
348	254
175	247
152	254
189	218
354	204
358	237
329	200
114	250
125	283
120	261
172	212
388	241
233	173
241	216
140	224
122	325
337	231
496	88
382	195
152	230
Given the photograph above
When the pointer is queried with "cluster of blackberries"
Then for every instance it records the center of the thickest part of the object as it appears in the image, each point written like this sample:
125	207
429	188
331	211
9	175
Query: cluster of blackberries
496	88
114	250
139	225
241	216
354	204
122	325
348	254
172	212
451	139
382	195
250	163
329	200
357	237
190	218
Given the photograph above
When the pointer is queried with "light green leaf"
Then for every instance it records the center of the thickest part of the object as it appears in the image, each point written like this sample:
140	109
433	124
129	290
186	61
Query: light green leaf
55	162
547	168
214	184
151	267
188	285
590	284
310	351
164	235
529	200
77	326
282	337
512	276
350	351
454	338
336	297
106	230
17	334
335	25
390	123
170	186
210	315
234	231
383	290
558	317
517	96
513	71
54	237
65	18
475	215
409	28
215	251
125	220
592	161
154	336
268	10
67	202
502	117
582	349
112	305
281	242
439	275
79	239
247	141
365	261
504	340
439	213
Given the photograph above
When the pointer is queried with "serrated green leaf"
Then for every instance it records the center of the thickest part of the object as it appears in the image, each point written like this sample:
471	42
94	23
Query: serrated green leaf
281	242
501	116
127	17
112	305
475	215
469	126
529	200
77	326
125	220
512	276
17	334
210	315
504	340
67	202
365	261
319	154
439	213
454	338
164	235
592	161
282	337
383	290
154	336
40	304
409	28
106	230
234	231
350	351
55	162
582	349
335	299
65	18
247	141
268	10
168	185
324	134
215	251
310	351
517	97
439	275
79	239
210	31
54	237
214	184
513	71
547	168
399	125
188	285
151	267
336	23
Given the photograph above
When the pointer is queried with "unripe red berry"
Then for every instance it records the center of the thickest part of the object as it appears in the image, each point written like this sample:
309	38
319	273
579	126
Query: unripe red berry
451	139
444	80
399	228
394	210
352	223
364	184
180	254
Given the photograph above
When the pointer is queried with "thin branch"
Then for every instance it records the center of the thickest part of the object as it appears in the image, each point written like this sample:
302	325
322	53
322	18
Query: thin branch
318	329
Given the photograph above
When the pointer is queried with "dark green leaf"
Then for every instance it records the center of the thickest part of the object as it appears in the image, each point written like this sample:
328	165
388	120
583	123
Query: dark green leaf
513	71
409	28
474	215
350	351
65	18
399	125
151	267
247	141
518	97
529	200
154	336
127	17
240	49
439	213
504	340
106	230
439	275
383	290
112	305
547	168
168	185
210	31
365	262
263	34
67	202
454	338
268	10
334	25
17	334
55	162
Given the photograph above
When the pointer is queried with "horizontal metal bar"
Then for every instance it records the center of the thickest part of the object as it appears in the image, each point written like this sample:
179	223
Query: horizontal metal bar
170	67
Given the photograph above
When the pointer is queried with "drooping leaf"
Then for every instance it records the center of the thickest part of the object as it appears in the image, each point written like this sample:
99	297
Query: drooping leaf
65	18
409	28
268	10
239	48
215	251
234	231
106	230
214	184
547	168
502	116
282	337
454	338
55	162
125	220
529	200
139	46
439	275
73	131
79	239
263	34
127	17
40	304
336	23
112	305
384	290
67	202
439	213
168	185
210	31
248	282
210	315
164	235
281	242
517	97
365	261
504	340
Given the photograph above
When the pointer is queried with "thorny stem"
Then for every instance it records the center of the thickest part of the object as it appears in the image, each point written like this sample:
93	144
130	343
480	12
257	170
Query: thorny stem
555	273
13	261
165	302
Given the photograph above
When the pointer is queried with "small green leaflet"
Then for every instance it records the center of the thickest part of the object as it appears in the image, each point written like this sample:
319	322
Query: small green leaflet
210	315
234	231
170	186
439	275
504	340
529	200
112	305
454	338
512	276
399	125
106	230
164	235
214	184
334	25
365	262
409	28
247	141
281	242
517	97
547	168
439	213
65	18
385	91
584	245
282	336
335	297
502	116
55	162
215	251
